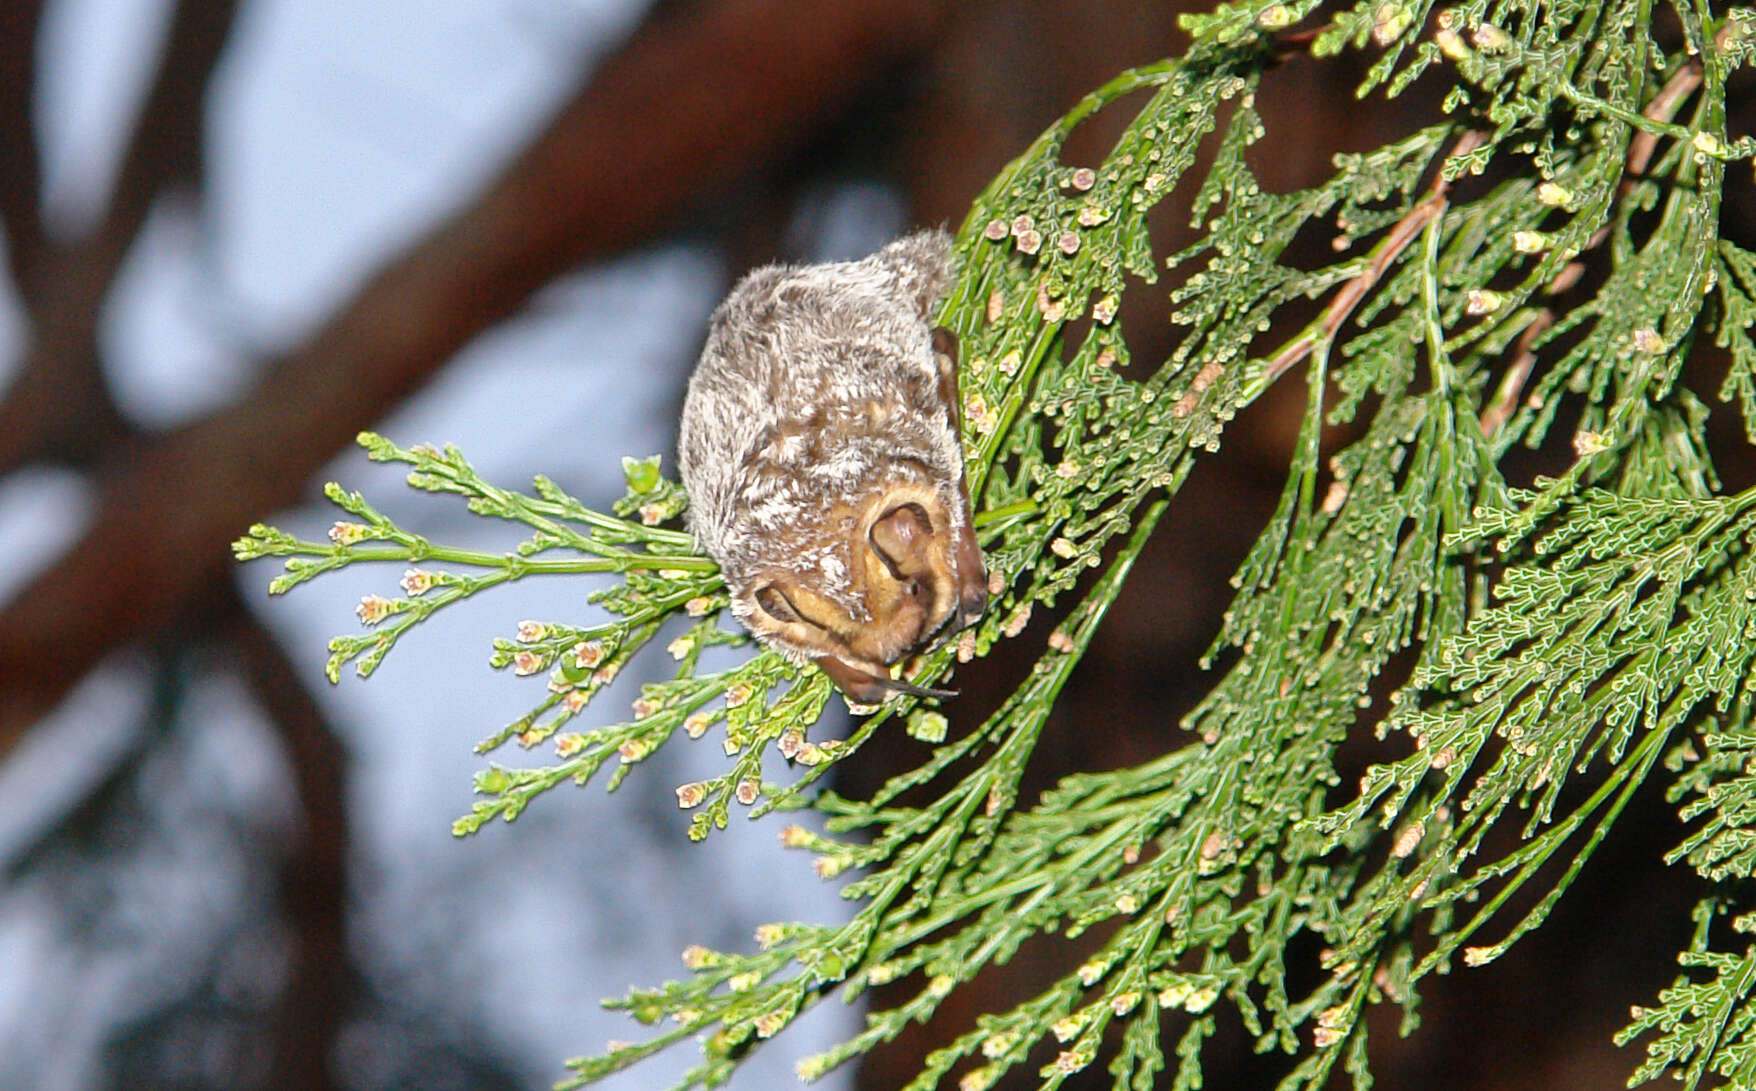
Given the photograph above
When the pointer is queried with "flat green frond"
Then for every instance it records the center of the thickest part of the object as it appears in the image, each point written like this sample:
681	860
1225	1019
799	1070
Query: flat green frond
1718	792
1735	282
1705	1023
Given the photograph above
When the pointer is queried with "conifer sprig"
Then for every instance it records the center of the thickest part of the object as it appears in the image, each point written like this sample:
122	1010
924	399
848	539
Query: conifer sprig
1537	265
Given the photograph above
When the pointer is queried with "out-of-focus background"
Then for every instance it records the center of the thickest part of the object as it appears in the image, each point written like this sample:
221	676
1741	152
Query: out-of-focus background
236	233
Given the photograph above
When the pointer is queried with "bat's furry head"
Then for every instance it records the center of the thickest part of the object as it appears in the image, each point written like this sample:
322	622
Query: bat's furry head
821	455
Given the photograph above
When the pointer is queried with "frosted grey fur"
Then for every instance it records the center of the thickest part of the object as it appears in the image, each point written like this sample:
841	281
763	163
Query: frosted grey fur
817	385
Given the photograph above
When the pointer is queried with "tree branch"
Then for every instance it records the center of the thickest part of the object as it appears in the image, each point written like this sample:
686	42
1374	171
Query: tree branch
1405	231
21	213
59	406
1641	146
313	880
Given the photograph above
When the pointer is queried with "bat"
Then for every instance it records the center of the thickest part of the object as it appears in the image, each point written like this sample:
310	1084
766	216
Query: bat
821	451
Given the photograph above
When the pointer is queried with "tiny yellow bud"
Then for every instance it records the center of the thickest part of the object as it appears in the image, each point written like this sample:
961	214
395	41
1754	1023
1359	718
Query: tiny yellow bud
1275	17
633	750
1482	301
828	867
977	1079
373	609
1490	39
1390	22
1553	195
346	534
568	744
1092	215
1587	443
768	1024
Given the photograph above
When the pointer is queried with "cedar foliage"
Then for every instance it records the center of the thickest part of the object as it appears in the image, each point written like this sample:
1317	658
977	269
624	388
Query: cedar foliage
1544	256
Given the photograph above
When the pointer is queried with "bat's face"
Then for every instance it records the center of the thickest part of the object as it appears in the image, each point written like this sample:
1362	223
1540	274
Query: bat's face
913	573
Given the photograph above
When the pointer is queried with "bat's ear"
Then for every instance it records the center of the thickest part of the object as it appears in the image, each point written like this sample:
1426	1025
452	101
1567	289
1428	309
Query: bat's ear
945	359
921	264
903	541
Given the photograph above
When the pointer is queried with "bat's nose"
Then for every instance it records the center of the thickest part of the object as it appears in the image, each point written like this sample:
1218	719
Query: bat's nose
972	602
972	580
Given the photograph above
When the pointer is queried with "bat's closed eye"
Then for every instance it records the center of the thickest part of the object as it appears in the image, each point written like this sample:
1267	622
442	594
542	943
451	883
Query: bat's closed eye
775	604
